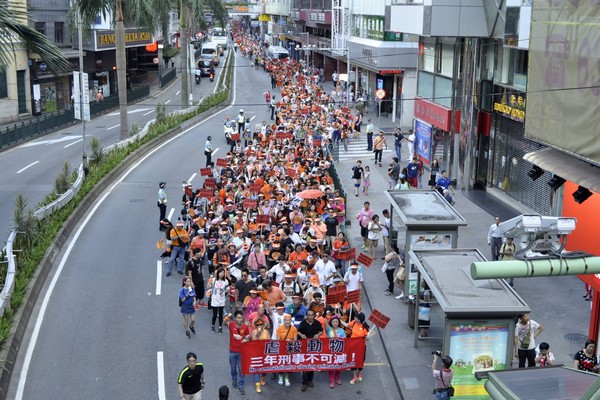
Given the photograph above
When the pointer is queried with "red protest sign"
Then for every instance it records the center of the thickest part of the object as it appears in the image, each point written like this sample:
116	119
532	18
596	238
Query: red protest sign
364	259
291	172
249	204
207	193
282	135
353	296
327	354
350	254
255	187
221	162
317	143
336	294
235	137
263	219
379	319
205	172
210	183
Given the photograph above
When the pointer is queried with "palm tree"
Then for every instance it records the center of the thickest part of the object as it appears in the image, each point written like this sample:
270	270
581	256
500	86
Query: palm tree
13	27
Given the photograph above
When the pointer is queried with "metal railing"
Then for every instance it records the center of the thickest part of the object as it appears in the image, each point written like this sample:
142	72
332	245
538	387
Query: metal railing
167	77
46	123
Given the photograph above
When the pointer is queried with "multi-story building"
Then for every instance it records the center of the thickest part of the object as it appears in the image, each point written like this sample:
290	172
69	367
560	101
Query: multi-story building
14	79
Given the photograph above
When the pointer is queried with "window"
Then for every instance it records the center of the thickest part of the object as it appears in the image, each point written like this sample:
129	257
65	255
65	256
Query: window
3	85
59	30
40	27
428	57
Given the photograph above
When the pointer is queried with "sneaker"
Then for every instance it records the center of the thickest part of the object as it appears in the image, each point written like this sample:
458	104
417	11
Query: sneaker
360	376
338	381
352	381
242	391
187	333
220	330
233	383
168	274
331	385
263	381
400	296
388	293
310	383
304	387
213	329
280	380
258	389
287	382
192	329
180	272
203	304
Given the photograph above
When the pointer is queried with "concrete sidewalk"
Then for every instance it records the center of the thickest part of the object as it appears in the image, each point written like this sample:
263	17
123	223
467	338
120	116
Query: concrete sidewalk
556	303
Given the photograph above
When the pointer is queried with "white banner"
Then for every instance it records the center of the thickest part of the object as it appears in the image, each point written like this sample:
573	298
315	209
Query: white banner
76	94
86	97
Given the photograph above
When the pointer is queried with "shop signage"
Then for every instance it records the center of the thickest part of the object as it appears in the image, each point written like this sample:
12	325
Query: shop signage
107	39
369	26
511	105
264	18
436	115
390	71
317	17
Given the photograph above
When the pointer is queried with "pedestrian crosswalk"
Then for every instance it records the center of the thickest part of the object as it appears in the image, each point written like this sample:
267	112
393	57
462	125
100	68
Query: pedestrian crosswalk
357	150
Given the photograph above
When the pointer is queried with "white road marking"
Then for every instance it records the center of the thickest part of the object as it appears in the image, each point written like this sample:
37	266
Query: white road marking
137	110
160	368
113	127
192	177
214	151
177	94
75	142
40	318
158	277
30	165
50	141
254	116
170	214
149	112
168	101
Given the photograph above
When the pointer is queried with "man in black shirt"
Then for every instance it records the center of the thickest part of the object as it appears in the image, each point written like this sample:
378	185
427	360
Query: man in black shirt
191	379
308	329
331	222
357	174
243	287
398	138
193	269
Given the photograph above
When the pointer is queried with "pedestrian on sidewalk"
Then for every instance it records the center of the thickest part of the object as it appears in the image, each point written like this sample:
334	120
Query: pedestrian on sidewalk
378	147
443	376
507	253
543	355
366	180
392	261
394	172
357	124
385	232
412	175
191	379
494	238
586	359
374	228
444	182
411	144
364	217
357	174
370	128
526	331
187	305
434	170
398	138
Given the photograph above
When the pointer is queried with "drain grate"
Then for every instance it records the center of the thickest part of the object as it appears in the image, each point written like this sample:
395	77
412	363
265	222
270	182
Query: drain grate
575	338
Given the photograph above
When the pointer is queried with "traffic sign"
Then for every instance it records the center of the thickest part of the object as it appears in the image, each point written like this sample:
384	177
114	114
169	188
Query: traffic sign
380	93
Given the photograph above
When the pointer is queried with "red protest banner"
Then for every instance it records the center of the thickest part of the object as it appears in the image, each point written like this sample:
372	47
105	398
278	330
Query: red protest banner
205	172
263	219
210	183
291	172
364	259
379	319
207	193
328	354
336	294
249	204
221	162
255	187
353	296
349	255
282	135
235	137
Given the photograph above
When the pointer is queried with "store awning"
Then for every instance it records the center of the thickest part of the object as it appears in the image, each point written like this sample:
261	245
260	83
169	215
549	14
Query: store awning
377	55
567	167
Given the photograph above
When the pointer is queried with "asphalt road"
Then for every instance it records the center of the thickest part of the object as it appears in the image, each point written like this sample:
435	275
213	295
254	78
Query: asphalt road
31	168
109	326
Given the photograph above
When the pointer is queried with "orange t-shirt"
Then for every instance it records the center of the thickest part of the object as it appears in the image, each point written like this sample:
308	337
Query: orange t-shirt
284	333
303	255
358	330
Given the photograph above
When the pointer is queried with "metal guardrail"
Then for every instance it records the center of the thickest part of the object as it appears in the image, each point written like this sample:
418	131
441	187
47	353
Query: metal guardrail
49	122
167	77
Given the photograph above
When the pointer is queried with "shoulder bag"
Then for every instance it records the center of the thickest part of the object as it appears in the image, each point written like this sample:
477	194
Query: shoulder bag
449	389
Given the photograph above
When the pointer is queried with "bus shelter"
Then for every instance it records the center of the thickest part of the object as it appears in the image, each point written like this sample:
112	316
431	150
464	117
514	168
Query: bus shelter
429	222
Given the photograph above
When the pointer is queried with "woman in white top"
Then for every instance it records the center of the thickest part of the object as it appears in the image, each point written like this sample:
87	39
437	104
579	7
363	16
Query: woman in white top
374	228
219	291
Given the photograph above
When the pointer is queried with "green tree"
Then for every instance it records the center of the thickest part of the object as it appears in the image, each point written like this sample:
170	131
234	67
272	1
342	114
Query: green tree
13	27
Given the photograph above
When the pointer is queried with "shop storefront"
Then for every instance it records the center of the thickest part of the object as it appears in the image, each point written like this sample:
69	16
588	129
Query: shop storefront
432	131
49	93
508	171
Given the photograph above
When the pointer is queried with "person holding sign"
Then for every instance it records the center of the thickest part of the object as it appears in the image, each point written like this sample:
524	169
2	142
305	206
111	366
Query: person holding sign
359	329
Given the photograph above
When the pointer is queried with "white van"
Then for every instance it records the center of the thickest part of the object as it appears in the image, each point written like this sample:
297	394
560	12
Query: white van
219	36
211	49
277	52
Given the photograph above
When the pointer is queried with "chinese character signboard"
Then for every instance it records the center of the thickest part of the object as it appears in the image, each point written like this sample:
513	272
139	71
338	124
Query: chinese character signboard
270	356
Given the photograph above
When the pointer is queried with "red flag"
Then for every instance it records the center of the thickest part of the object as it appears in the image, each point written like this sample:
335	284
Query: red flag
336	294
353	296
221	162
263	219
205	172
364	259
379	319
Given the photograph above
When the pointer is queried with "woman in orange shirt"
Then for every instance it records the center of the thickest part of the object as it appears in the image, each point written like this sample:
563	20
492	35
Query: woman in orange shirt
360	329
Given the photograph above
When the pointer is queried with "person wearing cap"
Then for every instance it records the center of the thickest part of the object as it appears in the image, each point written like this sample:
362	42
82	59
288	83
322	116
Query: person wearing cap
179	240
162	204
259	333
288	332
353	279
